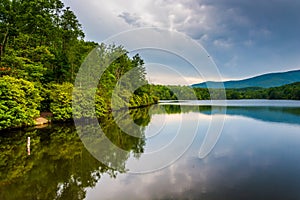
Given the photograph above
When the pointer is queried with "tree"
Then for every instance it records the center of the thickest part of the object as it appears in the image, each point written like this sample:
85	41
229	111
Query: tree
8	22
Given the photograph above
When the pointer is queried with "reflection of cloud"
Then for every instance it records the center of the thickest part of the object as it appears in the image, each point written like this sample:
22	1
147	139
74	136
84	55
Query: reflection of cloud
243	165
172	182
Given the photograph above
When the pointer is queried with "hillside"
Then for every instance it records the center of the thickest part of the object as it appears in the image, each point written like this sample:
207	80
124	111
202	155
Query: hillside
264	81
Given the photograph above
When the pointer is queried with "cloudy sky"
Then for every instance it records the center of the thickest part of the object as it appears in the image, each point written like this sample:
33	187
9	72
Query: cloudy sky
243	37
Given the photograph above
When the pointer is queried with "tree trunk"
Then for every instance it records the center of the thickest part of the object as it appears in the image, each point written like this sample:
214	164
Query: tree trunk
2	47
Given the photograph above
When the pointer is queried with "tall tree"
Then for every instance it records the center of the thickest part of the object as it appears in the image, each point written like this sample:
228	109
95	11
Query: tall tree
8	22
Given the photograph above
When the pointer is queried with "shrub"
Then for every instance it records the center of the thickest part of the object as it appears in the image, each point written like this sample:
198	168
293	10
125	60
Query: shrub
19	102
61	101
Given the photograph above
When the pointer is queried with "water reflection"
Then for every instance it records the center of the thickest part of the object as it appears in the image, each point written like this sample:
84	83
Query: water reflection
255	158
279	114
59	166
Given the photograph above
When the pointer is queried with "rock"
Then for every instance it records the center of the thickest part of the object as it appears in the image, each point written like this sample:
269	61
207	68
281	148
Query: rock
41	121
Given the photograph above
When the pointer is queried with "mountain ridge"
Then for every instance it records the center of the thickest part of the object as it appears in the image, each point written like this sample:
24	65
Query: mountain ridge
267	80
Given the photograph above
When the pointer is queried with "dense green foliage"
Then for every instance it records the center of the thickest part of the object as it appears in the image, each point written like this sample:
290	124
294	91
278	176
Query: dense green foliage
61	100
40	41
175	92
19	102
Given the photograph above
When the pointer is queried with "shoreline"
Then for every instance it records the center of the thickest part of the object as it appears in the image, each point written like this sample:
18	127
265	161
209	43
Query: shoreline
46	118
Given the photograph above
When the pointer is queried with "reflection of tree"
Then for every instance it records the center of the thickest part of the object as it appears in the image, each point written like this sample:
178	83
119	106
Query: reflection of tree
269	114
176	109
59	166
141	116
133	142
265	113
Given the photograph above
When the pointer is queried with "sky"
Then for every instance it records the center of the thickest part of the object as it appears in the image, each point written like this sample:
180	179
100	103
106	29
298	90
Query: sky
243	38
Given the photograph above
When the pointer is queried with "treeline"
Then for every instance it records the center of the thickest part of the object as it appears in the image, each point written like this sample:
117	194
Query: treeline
288	92
42	47
172	92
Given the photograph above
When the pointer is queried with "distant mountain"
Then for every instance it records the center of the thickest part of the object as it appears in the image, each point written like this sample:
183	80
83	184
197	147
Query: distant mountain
264	81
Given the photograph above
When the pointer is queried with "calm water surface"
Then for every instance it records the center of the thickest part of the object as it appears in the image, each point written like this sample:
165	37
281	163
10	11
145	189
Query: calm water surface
257	155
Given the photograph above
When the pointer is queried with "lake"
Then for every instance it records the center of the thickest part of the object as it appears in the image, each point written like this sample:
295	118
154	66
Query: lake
174	150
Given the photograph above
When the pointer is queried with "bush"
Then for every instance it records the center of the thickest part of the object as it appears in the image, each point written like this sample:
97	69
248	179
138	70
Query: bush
61	101
19	102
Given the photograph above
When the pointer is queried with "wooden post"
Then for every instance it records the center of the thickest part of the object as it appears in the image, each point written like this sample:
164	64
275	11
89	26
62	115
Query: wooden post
28	145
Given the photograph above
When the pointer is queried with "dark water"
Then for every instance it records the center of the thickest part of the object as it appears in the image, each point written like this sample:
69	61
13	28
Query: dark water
256	155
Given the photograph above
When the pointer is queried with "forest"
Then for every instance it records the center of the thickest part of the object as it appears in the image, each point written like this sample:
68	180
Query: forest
42	47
